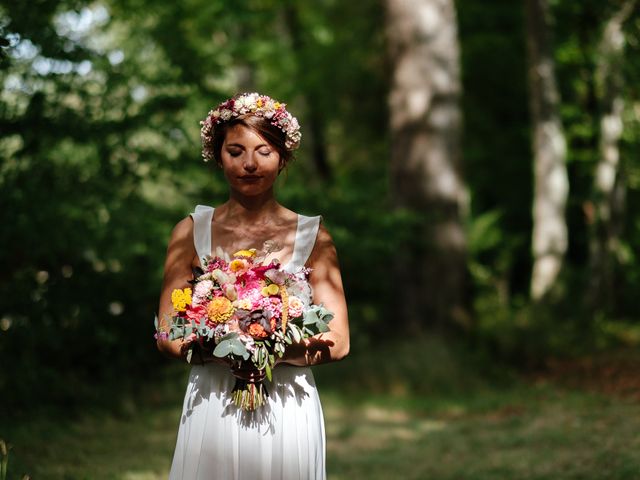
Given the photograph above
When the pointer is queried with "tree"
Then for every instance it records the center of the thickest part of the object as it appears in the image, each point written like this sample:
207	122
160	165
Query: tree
609	189
425	123
551	184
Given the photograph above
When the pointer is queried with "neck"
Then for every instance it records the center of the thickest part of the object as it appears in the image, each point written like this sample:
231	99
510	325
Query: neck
254	209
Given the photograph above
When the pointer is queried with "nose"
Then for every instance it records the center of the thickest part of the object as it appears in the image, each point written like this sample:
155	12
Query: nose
250	164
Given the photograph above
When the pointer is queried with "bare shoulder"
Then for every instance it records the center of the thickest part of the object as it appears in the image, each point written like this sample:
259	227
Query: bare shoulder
287	215
182	231
324	237
181	248
324	248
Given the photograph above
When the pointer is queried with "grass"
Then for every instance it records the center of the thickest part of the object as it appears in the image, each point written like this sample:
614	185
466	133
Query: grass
534	432
524	429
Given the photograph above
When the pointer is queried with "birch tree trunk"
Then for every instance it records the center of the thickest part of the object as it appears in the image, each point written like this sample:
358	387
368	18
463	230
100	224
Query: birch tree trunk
425	122
609	187
551	185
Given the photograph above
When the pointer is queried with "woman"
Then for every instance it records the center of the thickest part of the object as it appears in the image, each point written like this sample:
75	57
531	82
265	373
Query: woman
252	137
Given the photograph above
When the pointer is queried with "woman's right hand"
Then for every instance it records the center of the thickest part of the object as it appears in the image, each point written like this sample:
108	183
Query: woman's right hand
181	257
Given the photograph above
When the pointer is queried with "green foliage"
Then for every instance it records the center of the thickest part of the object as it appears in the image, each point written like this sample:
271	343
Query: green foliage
497	157
467	426
100	156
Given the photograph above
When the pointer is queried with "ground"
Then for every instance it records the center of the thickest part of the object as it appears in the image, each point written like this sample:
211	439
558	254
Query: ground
575	419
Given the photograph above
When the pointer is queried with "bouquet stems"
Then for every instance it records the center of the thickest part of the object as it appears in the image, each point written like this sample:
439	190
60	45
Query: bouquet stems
249	394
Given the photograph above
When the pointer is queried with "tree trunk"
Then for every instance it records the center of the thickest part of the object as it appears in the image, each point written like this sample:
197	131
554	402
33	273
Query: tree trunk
609	188
425	122
549	239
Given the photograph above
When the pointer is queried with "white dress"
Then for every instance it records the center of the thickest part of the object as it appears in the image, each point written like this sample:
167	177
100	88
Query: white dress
284	440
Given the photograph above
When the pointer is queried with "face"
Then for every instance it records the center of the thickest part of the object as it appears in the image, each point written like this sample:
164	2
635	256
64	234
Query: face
250	164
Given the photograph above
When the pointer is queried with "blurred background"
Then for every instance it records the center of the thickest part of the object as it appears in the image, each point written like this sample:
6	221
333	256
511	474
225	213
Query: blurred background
475	162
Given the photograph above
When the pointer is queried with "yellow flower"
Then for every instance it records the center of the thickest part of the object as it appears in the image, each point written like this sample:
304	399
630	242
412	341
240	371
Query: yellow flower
272	289
245	253
220	310
238	264
259	103
277	105
180	299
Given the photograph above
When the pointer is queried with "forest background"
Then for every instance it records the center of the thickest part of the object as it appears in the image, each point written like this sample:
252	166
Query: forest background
426	172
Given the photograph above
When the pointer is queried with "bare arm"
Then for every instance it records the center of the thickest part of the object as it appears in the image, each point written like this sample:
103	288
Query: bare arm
177	272
326	281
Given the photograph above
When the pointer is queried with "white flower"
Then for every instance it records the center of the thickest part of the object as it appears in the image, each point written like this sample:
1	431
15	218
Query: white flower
201	291
230	292
223	278
248	342
302	290
296	307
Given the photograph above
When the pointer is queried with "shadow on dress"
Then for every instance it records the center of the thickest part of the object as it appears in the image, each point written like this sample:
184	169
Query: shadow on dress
289	384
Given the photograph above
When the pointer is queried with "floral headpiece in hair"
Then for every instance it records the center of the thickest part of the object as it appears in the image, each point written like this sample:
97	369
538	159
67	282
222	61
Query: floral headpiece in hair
255	104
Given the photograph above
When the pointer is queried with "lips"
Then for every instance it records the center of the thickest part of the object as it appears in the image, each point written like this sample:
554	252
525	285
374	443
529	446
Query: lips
250	178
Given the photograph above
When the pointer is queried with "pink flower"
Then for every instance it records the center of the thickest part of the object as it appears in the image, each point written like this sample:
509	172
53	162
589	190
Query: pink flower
197	312
250	293
216	264
276	276
273	304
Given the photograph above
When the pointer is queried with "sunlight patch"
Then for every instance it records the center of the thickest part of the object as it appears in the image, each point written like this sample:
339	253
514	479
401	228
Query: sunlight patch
145	475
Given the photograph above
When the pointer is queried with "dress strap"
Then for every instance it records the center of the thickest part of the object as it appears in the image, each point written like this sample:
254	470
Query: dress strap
306	234
202	217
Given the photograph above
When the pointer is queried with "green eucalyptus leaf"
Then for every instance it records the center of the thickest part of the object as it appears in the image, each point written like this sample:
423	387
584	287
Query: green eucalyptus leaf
229	336
295	331
237	348
322	327
223	349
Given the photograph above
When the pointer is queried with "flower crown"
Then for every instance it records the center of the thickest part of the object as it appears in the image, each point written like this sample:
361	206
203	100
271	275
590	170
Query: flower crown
255	104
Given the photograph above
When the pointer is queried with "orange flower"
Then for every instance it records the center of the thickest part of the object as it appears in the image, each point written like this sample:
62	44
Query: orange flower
256	330
220	309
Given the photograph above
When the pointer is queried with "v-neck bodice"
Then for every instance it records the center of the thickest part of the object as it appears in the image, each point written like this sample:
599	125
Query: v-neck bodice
306	233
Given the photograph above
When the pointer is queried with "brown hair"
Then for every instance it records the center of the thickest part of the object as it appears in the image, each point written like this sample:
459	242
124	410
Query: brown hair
262	126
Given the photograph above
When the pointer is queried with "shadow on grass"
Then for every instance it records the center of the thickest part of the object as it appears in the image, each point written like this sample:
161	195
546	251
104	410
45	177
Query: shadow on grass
421	409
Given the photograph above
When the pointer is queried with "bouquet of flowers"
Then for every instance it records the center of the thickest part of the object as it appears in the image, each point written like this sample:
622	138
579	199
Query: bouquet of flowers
248	311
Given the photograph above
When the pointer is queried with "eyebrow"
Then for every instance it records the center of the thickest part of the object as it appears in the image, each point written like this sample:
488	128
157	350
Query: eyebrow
240	145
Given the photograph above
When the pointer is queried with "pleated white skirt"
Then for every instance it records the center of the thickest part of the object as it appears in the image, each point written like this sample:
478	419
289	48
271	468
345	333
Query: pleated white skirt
284	440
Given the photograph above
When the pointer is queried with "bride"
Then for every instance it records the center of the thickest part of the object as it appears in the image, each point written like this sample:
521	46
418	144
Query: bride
252	138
